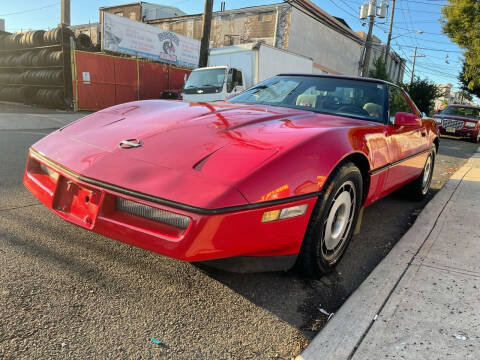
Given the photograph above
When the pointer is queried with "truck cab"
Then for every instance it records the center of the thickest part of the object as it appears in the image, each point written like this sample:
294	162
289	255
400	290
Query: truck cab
213	83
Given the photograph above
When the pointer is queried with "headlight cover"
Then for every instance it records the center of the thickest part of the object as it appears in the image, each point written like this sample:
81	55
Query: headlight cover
470	124
438	120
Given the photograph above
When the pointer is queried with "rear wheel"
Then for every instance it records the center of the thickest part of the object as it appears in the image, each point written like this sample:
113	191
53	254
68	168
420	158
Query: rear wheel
332	222
418	189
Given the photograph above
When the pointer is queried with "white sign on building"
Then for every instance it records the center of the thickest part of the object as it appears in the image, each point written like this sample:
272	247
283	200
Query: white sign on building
135	38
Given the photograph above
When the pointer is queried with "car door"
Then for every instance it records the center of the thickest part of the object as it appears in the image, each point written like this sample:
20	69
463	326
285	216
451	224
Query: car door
407	145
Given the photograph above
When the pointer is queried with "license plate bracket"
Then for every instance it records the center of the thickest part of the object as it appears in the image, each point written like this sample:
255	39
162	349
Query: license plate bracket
77	203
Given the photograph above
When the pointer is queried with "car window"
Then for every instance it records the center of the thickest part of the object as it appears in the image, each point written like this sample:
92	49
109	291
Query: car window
397	103
461	111
330	95
238	79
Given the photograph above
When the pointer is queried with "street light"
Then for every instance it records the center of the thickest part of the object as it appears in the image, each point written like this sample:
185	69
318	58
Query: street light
410	32
390	38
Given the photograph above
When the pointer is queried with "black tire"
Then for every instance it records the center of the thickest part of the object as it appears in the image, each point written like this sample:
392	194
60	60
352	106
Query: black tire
418	188
315	258
477	139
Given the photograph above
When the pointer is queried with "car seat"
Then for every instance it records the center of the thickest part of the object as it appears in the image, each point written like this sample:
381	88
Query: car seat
306	100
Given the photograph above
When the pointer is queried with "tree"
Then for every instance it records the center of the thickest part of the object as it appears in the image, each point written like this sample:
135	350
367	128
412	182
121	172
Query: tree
423	94
465	95
460	23
379	71
465	81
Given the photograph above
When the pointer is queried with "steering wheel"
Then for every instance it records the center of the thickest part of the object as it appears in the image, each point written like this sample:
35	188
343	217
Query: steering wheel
353	109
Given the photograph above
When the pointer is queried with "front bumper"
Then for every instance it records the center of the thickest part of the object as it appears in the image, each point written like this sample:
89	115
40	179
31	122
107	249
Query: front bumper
211	234
470	133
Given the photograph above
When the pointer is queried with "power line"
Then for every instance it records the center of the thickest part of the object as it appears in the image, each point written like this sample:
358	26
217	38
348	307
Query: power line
425	3
430	49
30	10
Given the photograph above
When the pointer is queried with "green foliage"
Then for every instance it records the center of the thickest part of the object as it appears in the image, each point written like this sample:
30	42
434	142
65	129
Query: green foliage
460	23
464	95
465	81
423	94
379	71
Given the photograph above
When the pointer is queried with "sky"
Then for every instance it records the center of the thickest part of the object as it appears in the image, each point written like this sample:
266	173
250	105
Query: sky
410	16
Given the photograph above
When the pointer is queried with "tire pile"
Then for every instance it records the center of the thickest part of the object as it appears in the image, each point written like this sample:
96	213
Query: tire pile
34	75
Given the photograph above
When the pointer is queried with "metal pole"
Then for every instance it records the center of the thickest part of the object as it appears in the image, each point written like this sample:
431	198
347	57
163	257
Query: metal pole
65	12
413	66
368	43
207	23
387	47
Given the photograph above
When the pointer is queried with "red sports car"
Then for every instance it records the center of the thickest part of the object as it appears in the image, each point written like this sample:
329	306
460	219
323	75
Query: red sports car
459	120
273	177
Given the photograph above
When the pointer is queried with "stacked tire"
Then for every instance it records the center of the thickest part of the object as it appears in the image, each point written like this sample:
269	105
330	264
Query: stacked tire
31	67
42	77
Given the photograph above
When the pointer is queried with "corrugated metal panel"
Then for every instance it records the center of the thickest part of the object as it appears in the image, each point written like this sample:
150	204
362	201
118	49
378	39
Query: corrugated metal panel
113	80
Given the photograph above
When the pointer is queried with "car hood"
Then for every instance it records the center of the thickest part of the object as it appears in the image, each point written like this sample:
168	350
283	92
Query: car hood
195	153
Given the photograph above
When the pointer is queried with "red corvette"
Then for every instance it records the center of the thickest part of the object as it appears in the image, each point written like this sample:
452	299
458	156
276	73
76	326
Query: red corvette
275	176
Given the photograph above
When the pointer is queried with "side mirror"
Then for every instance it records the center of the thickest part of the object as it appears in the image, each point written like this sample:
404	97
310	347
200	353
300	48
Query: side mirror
407	119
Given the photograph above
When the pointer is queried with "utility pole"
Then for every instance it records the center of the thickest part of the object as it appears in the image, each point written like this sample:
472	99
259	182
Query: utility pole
387	47
65	12
207	24
368	42
413	66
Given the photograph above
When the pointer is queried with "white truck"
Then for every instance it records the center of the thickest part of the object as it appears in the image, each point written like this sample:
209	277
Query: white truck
233	69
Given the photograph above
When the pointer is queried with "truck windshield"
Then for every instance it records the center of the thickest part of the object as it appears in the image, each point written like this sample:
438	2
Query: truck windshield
329	95
205	78
462	111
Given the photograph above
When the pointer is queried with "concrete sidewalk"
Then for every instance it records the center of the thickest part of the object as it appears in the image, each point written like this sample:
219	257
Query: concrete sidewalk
423	300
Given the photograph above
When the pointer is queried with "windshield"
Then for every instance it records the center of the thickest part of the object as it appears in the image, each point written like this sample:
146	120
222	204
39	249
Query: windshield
336	96
461	111
205	78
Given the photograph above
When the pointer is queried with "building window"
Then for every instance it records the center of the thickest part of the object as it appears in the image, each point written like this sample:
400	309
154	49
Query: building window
119	13
133	15
265	17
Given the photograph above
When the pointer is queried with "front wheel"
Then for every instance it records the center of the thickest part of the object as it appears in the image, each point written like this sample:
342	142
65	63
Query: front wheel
332	222
477	139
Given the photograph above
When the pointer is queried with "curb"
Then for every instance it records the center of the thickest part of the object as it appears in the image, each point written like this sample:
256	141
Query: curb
342	335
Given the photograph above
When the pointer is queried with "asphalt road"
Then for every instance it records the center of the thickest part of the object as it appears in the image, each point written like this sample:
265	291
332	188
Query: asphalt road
69	293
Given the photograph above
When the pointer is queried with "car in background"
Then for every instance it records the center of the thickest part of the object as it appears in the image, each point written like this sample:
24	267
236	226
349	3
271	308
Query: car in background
273	177
459	120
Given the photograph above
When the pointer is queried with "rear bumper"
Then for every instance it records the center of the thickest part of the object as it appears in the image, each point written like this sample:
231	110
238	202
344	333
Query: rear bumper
211	234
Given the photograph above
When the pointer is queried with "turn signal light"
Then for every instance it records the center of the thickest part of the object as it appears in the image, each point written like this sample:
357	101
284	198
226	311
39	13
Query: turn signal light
285	213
